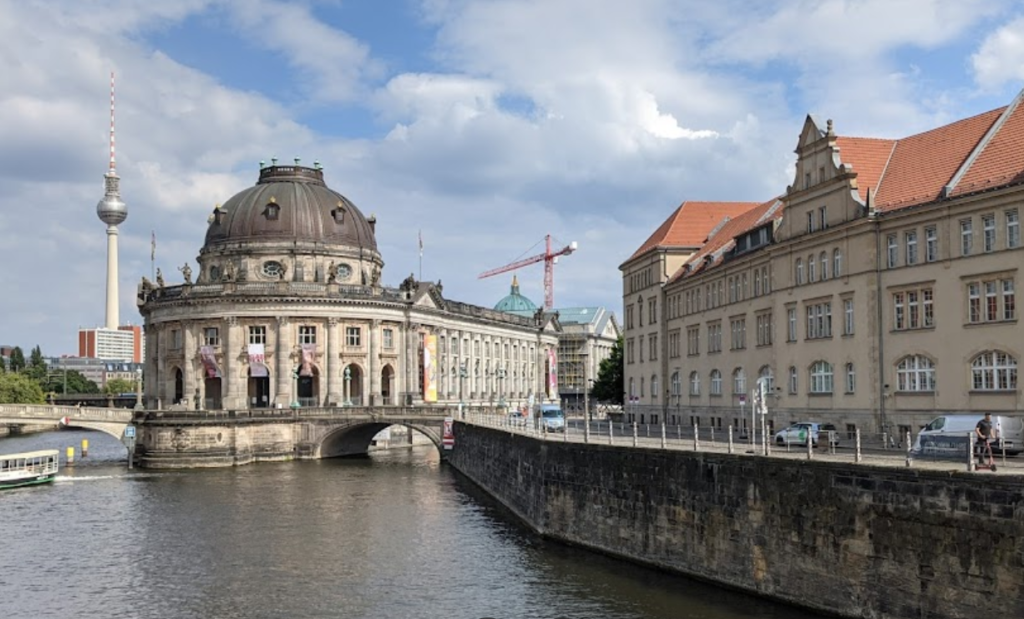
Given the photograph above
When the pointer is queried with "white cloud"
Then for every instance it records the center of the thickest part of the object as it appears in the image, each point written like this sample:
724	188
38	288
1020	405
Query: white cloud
1000	58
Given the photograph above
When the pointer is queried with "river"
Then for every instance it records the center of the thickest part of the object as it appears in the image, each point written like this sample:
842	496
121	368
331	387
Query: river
393	536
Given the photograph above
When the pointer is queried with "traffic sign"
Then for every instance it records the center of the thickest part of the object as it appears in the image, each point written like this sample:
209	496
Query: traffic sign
743	399
129	431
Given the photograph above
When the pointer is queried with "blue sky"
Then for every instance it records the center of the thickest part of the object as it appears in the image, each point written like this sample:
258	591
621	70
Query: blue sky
485	123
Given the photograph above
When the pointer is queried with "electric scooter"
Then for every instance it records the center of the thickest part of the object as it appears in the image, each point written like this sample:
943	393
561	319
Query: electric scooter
985	460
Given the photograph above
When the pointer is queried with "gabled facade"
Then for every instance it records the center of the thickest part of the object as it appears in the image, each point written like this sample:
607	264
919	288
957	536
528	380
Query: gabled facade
877	292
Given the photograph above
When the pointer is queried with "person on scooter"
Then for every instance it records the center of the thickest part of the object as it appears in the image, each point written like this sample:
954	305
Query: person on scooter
983	434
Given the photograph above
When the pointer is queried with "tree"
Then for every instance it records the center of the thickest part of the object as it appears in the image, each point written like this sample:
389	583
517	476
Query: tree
17	362
609	384
119	385
76	382
19	389
35	359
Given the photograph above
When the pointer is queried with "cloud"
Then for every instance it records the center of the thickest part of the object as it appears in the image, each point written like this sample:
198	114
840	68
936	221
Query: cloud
1000	58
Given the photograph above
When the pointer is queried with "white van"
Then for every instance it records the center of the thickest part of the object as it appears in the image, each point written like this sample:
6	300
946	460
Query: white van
1009	429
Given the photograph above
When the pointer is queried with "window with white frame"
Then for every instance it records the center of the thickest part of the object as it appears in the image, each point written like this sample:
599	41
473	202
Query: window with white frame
793	378
654	386
823	264
910	240
915	373
211	336
257	335
757	282
389	339
694	383
822	219
994	370
892	251
913	309
810	214
765	374
676	385
307	334
988	229
811	269
1012	229
851	379
739	381
354	337
764	329
716	382
991	301
693	341
821	377
848	317
176	341
715	337
966	237
819	320
738	327
791	324
837	263
931	244
799	269
652	342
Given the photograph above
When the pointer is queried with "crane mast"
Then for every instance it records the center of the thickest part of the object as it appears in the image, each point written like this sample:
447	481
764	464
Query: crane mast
549	257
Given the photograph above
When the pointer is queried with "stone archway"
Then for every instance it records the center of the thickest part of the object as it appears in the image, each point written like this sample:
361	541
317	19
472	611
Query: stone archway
354	439
387	385
352	384
258	388
179	386
309	387
212	391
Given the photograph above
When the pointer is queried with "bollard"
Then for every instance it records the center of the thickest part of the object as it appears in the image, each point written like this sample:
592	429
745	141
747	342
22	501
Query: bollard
730	438
907	439
70	456
810	445
679	431
611	432
634	434
565	431
712	435
586	430
856	445
885	440
85	447
648	426
696	438
663	435
970	451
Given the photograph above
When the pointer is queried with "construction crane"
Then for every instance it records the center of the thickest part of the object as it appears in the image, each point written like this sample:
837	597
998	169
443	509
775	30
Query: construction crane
549	257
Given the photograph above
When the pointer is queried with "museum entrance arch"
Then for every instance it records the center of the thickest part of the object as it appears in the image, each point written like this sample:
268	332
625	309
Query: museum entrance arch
387	387
259	387
352	375
179	386
309	386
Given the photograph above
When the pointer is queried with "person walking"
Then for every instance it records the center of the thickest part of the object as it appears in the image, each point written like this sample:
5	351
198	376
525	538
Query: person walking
982	437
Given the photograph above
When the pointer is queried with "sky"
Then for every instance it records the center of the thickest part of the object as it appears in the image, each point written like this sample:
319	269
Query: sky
483	125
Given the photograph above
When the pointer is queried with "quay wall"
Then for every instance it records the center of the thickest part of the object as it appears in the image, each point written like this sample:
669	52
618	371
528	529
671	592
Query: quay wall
850	540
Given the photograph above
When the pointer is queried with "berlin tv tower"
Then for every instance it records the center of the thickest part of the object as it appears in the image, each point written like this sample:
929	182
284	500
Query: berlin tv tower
112	211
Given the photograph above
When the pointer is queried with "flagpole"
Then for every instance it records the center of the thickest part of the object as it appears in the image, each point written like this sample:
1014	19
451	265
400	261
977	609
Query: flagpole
152	256
421	254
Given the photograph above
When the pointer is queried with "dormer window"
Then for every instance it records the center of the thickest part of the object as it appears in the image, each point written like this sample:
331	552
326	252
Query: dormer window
272	211
338	213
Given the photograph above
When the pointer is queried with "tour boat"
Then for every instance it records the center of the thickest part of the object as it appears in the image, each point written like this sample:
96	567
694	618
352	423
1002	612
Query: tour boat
29	468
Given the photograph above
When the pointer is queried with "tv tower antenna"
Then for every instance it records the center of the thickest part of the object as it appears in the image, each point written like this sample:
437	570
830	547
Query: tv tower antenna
112	211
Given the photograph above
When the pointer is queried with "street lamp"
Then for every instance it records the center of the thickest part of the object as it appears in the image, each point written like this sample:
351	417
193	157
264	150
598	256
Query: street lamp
348	385
462	383
138	387
295	388
501	387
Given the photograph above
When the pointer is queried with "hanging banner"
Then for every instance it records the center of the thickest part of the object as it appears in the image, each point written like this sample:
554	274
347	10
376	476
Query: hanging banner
430	368
552	374
308	354
257	361
209	362
448	436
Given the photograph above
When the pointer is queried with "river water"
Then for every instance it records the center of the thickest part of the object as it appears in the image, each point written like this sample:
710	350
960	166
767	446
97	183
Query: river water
393	536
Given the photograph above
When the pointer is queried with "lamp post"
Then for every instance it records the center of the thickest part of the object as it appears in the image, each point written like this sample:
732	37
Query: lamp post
295	388
586	410
348	385
462	383
501	387
138	387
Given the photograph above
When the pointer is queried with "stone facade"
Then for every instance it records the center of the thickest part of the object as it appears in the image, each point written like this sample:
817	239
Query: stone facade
865	542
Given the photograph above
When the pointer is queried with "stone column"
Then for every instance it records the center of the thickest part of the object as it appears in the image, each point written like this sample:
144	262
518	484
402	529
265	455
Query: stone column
283	349
374	364
159	380
411	362
229	378
189	352
333	364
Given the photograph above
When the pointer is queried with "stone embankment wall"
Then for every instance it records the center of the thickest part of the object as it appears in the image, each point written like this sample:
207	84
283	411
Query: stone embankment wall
857	541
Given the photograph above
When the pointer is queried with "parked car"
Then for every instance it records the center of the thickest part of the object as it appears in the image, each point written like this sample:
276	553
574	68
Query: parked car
1009	432
551	418
798	433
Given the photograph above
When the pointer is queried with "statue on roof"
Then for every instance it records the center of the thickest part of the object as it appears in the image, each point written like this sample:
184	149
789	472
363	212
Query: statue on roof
186	272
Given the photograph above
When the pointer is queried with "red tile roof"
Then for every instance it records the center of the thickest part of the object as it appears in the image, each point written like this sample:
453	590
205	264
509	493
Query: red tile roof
1000	162
868	157
689	225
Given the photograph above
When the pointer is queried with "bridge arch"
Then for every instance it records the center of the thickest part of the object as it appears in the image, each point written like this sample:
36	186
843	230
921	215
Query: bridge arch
355	438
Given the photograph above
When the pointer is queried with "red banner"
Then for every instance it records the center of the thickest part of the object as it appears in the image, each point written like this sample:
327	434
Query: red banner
308	354
209	362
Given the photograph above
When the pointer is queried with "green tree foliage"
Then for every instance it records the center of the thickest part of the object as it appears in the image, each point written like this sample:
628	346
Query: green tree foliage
35	359
119	385
77	383
17	362
609	384
19	389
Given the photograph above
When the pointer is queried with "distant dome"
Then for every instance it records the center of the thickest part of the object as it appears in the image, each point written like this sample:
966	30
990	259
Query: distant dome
515	302
290	203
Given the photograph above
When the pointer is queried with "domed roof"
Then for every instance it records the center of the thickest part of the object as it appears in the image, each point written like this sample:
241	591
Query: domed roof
515	302
290	203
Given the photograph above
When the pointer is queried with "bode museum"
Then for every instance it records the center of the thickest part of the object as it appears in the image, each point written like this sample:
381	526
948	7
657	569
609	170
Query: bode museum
287	307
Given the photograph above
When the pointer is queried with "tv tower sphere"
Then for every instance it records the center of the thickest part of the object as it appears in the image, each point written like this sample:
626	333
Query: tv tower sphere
111	209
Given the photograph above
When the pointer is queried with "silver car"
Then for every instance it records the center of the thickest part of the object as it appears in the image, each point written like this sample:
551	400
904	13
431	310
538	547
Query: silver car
800	432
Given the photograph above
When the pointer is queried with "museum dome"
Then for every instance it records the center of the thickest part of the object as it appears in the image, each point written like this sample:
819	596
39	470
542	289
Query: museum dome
290	203
515	302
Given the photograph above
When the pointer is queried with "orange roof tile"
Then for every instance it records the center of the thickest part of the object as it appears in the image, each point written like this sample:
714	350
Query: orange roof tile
1000	160
922	164
689	225
868	157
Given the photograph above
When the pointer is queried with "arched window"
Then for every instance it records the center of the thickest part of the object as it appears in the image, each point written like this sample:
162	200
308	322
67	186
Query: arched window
994	370
632	389
793	378
915	373
767	281
641	386
837	263
810	269
851	379
823	263
694	383
739	381
716	382
765	373
654	387
799	271
676	387
821	377
757	282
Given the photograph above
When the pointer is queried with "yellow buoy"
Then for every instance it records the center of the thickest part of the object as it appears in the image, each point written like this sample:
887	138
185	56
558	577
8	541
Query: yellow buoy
71	455
85	447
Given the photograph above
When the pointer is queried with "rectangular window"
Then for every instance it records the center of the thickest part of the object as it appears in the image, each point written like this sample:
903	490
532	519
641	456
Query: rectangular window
847	316
257	335
991	302
1009	302
1012	229
389	339
354	337
810	220
791	324
913	309
892	253
851	379
693	341
307	334
652	347
176	339
764	330
822	220
966	237
211	336
927	309
974	302
913	304
911	242
988	227
630	356
999	303
819	321
899	311
715	337
739	333
931	244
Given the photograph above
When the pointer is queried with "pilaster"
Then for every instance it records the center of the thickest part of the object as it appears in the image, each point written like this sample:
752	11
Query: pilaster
192	385
283	349
333	363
